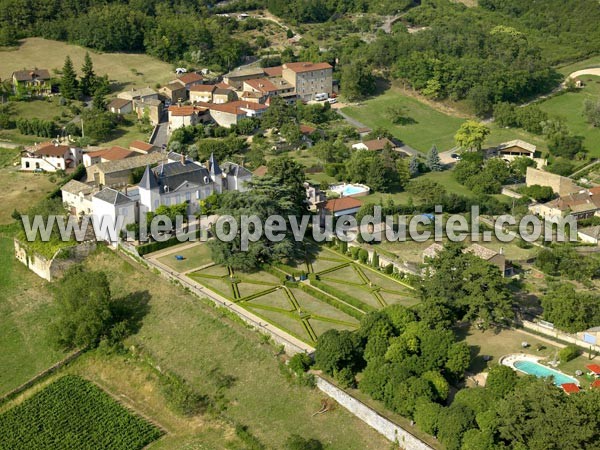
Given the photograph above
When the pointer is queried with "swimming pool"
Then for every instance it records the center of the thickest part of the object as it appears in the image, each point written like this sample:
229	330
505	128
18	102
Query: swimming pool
540	371
348	190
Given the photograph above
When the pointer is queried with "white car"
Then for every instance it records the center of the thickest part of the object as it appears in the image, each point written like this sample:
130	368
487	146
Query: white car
332	100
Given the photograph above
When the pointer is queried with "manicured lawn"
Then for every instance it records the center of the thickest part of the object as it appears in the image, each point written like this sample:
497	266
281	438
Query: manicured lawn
570	107
26	310
193	339
430	126
125	68
196	256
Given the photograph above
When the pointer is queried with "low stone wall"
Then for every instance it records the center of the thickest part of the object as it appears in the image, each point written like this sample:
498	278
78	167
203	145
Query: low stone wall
386	427
510	192
561	335
51	269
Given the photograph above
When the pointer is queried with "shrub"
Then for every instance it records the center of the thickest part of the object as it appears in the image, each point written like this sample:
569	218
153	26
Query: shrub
568	353
375	260
389	269
300	363
354	252
363	255
181	396
344	377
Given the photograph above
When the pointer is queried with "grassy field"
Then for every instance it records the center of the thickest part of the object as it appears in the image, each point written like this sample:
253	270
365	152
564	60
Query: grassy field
430	126
187	336
594	61
570	107
196	256
125	69
26	310
77	414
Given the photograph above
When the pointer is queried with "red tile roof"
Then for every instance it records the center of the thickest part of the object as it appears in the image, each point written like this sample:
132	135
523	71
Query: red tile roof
594	368
596	384
141	145
300	67
191	77
50	149
262	85
236	107
570	388
186	110
342	204
113	154
378	144
273	71
203	88
307	129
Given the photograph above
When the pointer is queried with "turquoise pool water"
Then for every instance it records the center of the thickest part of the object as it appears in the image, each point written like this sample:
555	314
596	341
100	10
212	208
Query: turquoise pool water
533	368
352	190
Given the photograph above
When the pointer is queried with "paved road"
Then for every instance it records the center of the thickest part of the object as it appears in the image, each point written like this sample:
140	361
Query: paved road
405	148
162	135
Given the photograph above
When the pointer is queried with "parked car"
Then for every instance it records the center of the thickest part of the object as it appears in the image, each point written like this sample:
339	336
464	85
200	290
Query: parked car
321	97
332	100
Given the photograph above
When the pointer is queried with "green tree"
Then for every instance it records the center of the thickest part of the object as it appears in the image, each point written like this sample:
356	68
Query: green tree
88	77
413	166
403	172
433	160
84	314
501	380
591	110
357	80
335	350
68	81
471	135
426	415
290	174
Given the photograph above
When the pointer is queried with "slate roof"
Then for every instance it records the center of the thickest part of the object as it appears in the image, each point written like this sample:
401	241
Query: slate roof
112	196
235	170
172	175
29	75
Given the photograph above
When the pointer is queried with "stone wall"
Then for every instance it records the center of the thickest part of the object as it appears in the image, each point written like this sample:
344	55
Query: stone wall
386	427
559	184
561	335
51	269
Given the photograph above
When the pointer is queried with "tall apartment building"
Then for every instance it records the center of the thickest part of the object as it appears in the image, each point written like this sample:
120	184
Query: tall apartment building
309	79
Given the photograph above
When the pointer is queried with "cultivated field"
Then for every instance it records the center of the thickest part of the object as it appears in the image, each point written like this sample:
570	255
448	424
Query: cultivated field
73	413
124	68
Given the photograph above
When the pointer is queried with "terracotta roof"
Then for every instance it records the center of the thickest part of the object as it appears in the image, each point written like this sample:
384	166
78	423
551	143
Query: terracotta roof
203	88
307	129
342	204
174	86
260	171
570	388
118	103
262	85
29	75
191	77
237	107
300	67
50	149
223	85
593	368
273	71
377	144
185	110
141	145
586	200
596	384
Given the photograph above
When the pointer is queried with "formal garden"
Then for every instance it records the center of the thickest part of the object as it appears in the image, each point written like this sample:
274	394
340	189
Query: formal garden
328	290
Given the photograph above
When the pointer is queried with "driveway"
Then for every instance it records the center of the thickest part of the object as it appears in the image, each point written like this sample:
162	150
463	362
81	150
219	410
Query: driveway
161	137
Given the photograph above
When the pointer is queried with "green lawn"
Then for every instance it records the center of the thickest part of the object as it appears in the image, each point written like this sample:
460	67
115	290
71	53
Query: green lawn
196	256
594	61
186	335
430	125
26	310
570	107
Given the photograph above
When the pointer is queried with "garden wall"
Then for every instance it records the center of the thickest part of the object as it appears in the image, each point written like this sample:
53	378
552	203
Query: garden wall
386	427
561	335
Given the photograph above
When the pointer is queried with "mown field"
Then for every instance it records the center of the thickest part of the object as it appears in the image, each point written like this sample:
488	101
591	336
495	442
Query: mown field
569	106
26	310
126	69
427	126
72	413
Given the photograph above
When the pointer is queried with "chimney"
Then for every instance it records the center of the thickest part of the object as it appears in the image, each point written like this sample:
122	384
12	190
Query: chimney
501	252
183	159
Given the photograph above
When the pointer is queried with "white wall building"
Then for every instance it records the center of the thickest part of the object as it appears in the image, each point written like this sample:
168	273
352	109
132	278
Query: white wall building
50	157
77	197
112	212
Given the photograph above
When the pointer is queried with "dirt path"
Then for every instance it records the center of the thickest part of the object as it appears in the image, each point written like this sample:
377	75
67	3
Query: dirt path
590	71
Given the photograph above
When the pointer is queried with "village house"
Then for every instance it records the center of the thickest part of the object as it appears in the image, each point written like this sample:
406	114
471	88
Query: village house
186	115
109	208
106	154
149	107
589	235
223	95
190	80
342	206
142	147
32	82
50	157
231	113
581	205
117	173
120	106
77	197
375	145
517	148
309	79
498	259
188	181
236	78
174	92
270	87
202	93
146	93
253	97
